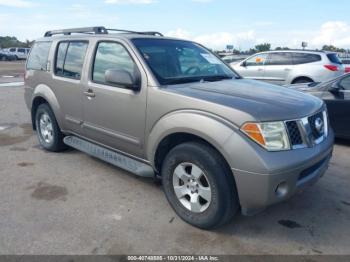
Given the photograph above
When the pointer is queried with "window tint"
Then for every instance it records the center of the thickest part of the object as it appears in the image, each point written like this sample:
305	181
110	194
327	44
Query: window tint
303	58
12	49
257	60
38	56
21	50
345	83
283	58
111	56
60	56
334	58
70	59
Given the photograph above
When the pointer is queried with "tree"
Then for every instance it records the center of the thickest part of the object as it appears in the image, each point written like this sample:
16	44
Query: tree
332	48
11	41
282	48
263	47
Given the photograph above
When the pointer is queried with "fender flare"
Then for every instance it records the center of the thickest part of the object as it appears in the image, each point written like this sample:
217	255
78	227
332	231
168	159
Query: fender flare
211	128
45	92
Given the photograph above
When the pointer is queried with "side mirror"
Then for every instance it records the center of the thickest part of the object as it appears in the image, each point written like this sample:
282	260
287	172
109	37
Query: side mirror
243	64
123	78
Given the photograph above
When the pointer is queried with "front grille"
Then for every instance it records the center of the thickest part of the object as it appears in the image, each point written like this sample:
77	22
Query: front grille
294	133
307	131
312	121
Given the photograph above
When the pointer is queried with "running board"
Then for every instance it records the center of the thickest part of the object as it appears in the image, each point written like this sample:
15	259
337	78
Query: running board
112	157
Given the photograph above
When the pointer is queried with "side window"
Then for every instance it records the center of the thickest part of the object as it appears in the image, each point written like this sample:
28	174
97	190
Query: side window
345	83
283	58
257	60
110	55
60	56
21	50
303	58
70	59
38	56
12	49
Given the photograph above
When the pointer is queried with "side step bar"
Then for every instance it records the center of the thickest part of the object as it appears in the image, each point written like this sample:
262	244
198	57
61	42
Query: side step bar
112	157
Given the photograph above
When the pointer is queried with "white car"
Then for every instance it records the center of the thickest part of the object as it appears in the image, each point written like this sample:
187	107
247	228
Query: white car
291	66
18	52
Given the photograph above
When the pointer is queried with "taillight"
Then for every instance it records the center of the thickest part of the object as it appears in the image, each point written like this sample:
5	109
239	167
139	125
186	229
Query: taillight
347	69
331	67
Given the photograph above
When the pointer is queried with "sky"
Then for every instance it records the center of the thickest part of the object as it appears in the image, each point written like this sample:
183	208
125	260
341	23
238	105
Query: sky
214	23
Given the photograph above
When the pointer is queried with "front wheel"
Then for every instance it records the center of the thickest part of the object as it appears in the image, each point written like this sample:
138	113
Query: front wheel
49	134
199	186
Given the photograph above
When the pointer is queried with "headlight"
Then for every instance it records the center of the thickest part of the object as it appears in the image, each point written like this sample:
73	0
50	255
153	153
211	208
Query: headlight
270	135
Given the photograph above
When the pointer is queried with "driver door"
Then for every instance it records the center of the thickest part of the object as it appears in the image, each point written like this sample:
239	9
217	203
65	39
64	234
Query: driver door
253	67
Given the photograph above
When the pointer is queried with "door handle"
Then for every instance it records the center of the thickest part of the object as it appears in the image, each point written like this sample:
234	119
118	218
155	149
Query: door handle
287	69
260	69
89	93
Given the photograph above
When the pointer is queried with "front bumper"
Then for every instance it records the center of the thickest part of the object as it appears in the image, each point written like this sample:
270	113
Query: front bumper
293	170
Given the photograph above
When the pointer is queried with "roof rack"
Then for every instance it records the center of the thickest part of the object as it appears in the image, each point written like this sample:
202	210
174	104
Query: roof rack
96	30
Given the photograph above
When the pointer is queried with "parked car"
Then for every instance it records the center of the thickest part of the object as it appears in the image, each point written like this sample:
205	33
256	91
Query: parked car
169	108
18	52
336	94
346	63
291	66
5	56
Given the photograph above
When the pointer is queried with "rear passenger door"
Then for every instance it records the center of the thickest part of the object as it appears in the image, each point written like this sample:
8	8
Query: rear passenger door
66	82
278	67
115	115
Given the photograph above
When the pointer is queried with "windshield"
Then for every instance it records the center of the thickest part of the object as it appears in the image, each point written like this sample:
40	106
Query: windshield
176	61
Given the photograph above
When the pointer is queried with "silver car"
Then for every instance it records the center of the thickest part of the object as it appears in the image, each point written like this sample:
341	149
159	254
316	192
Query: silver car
169	108
291	66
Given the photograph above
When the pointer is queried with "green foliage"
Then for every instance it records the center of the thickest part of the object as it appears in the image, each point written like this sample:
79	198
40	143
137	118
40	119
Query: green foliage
282	48
11	41
263	47
333	48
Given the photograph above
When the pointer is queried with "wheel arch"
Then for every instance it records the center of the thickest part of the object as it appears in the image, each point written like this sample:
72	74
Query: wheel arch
43	94
184	126
302	77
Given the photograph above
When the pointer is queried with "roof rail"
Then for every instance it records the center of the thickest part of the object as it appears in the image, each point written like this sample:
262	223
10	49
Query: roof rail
96	30
136	32
82	30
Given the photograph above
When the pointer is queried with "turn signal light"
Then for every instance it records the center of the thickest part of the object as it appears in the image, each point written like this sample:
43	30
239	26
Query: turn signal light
253	131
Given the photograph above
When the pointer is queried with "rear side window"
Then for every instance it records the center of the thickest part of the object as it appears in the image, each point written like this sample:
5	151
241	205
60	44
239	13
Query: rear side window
21	50
283	58
12	49
304	58
110	55
334	58
38	56
70	59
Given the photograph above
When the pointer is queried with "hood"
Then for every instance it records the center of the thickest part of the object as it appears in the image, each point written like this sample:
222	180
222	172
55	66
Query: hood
263	101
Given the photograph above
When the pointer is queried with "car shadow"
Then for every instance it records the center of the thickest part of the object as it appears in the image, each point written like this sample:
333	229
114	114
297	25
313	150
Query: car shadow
341	141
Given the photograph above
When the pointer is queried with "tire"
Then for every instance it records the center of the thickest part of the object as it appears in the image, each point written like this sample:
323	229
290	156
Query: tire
49	134
302	80
3	58
199	158
15	58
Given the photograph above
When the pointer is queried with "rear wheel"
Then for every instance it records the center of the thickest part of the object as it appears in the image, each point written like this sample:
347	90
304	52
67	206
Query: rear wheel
49	134
199	186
